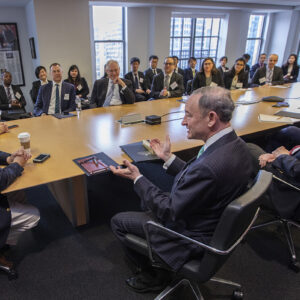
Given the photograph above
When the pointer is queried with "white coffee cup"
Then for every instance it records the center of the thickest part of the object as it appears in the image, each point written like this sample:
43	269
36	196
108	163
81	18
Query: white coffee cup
24	138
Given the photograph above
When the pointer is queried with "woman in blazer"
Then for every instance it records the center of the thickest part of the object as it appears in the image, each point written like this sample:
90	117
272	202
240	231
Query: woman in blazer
41	74
208	75
79	82
290	69
237	77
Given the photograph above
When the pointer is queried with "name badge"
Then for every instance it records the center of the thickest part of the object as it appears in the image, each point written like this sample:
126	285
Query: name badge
18	96
79	87
213	84
239	85
141	80
66	97
174	85
262	80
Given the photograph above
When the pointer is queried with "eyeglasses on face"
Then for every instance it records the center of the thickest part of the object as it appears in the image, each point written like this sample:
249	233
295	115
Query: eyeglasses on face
170	64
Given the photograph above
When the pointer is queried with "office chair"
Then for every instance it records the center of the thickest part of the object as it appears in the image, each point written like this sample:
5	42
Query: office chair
235	222
286	226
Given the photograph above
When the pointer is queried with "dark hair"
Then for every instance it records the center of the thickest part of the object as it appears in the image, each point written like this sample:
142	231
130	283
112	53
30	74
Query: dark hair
214	69
246	56
174	56
70	79
232	70
295	62
262	54
223	57
153	57
54	65
134	59
38	70
192	58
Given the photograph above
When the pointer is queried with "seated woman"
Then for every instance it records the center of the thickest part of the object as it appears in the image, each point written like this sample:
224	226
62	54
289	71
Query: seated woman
222	68
41	74
79	82
290	69
237	77
208	75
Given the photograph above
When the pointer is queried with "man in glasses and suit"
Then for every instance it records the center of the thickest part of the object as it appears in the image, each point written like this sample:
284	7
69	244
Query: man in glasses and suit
152	70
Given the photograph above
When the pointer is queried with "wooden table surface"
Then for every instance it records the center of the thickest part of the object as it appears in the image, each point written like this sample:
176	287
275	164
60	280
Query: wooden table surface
97	130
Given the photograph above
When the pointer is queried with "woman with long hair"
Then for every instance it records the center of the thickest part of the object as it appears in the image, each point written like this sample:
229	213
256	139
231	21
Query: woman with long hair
290	69
237	77
79	82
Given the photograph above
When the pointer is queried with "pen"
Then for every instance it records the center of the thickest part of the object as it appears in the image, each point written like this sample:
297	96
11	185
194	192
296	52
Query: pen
95	161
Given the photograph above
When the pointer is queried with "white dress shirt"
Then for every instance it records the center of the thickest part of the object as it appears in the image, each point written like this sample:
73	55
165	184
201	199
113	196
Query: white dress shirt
116	99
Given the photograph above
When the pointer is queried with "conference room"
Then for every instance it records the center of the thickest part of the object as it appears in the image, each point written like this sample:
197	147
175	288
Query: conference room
72	253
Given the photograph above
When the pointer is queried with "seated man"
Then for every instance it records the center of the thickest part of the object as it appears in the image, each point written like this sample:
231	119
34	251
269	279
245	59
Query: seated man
56	96
260	64
202	188
269	74
285	165
141	85
16	216
190	72
167	84
112	90
152	70
176	68
11	96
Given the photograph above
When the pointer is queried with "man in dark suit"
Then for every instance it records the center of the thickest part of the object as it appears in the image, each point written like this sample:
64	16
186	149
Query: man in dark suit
152	70
202	188
112	90
176	68
246	57
55	97
140	85
269	74
11	96
16	216
285	165
167	84
260	64
190	72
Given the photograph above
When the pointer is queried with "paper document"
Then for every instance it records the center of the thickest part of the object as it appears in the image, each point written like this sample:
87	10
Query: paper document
275	119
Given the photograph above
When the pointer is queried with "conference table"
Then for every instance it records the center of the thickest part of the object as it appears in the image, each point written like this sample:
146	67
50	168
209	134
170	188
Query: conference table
98	130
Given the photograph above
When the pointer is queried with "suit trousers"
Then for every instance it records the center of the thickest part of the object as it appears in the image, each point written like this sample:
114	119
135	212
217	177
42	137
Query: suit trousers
23	216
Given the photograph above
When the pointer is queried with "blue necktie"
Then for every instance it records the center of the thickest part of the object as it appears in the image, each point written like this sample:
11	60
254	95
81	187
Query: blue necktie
57	99
109	96
200	151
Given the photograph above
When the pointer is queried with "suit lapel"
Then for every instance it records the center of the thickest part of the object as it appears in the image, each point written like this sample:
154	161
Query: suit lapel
4	96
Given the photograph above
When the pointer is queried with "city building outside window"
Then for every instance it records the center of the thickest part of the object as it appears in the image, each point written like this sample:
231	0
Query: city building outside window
109	36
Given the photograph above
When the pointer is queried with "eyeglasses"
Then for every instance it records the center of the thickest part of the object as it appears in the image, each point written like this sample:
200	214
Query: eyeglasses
170	64
241	65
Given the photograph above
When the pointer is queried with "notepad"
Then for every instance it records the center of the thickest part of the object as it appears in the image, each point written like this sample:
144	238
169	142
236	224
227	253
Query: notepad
275	119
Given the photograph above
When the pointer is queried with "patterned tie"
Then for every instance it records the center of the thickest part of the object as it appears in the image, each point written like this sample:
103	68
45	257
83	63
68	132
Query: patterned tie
109	95
136	81
57	99
8	94
295	150
200	151
270	76
166	82
154	71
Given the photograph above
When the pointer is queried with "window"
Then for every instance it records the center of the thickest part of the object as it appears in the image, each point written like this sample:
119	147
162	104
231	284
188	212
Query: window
109	36
198	37
255	37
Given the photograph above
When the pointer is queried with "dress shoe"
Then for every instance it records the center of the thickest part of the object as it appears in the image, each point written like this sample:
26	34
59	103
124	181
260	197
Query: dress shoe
8	267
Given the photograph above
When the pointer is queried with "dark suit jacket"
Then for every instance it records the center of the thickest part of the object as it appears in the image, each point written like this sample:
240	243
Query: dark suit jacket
84	91
7	176
261	73
200	80
242	78
202	189
188	75
285	199
100	90
145	85
254	68
149	75
158	85
4	105
180	71
35	90
294	73
43	100
221	70
247	68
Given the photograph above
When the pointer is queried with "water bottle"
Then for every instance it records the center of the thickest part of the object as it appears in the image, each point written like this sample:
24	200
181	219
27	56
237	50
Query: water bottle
78	104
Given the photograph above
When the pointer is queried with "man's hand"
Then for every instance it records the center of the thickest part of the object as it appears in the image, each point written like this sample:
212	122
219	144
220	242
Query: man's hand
139	91
19	157
279	151
148	91
162	150
16	103
119	81
266	158
3	128
130	172
164	93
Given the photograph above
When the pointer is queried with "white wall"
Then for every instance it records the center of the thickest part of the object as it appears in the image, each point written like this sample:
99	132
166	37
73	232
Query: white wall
18	15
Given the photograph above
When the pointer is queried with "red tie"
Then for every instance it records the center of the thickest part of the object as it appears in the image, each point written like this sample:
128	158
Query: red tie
295	150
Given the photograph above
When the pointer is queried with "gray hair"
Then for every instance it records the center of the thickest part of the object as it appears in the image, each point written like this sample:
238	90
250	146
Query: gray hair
215	99
111	61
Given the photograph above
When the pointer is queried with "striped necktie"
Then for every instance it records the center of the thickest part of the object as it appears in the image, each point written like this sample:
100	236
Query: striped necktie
109	95
8	94
294	150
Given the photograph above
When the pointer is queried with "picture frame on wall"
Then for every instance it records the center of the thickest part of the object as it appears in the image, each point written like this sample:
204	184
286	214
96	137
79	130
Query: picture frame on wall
10	53
32	48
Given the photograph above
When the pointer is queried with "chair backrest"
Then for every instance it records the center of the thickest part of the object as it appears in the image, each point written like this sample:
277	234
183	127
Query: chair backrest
234	222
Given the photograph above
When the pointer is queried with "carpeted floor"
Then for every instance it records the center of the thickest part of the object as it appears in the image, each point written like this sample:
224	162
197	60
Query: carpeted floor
57	261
